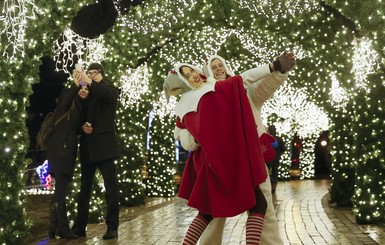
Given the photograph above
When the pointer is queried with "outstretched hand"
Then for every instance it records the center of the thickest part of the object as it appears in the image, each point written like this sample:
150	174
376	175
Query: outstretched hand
289	55
285	62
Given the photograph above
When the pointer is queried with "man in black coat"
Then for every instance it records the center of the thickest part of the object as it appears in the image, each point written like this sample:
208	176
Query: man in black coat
98	149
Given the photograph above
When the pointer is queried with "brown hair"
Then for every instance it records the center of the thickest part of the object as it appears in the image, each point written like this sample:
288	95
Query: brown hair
181	70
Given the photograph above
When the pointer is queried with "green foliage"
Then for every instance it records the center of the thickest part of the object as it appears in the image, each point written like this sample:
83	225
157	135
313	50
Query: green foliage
344	159
18	74
97	201
161	158
369	198
132	139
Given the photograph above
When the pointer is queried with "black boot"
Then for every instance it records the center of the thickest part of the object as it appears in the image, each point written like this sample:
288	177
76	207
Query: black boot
52	221
62	229
77	231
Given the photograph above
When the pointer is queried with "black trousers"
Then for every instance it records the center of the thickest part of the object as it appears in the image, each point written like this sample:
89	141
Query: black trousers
108	171
62	183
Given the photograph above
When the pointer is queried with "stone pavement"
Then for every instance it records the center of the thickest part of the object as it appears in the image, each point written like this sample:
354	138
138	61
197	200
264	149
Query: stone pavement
304	216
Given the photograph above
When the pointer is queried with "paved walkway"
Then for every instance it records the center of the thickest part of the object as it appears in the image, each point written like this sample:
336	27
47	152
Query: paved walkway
303	212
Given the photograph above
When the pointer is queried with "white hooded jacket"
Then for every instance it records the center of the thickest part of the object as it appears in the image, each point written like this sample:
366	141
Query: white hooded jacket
260	85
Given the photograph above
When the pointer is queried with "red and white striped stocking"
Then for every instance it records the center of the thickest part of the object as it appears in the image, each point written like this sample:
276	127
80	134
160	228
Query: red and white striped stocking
254	225
195	230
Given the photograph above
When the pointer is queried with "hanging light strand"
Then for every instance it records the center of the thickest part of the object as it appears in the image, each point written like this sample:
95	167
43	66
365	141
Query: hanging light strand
365	62
134	85
15	16
73	46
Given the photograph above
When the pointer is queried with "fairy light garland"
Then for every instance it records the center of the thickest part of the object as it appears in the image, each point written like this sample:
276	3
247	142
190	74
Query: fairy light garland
16	16
339	96
283	9
134	84
296	114
150	17
163	108
73	46
365	62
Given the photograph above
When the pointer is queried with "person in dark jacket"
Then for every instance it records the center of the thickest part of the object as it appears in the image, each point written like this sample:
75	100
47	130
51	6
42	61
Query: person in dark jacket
62	154
279	149
98	149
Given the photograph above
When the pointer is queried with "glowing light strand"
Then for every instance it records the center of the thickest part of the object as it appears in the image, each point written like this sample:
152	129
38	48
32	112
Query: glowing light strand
73	46
162	108
296	114
214	41
150	18
365	61
15	16
279	9
134	85
262	50
339	97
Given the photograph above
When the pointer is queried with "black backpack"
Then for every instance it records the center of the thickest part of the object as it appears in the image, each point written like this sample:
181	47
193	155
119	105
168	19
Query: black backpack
46	128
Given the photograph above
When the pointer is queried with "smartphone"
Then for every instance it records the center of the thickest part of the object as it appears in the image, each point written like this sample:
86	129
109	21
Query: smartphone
78	67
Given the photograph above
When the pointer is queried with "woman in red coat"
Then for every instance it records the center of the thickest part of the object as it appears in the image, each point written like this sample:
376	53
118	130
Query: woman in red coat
221	177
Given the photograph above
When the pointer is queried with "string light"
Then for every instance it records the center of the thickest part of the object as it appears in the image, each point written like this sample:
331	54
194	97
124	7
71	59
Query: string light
339	97
163	108
251	32
153	16
73	46
296	114
365	61
15	16
296	111
134	85
280	9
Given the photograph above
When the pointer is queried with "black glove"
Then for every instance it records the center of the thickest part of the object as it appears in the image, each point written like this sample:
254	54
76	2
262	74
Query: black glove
283	64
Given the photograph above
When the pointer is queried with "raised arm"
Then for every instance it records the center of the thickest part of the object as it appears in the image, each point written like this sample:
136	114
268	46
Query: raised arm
284	63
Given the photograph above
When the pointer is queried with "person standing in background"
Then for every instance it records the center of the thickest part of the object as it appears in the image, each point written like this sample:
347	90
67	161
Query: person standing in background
279	148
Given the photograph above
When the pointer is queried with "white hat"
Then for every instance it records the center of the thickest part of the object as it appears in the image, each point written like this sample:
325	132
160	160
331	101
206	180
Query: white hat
196	68
176	83
207	68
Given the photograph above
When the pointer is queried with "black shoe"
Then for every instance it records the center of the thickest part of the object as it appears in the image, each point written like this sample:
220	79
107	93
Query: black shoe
53	221
110	234
80	233
62	228
66	234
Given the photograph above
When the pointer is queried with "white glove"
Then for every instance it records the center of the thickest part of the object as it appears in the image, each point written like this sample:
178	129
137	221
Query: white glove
187	140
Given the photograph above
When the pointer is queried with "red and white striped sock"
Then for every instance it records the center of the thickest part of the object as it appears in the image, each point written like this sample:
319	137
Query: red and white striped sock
195	230
254	225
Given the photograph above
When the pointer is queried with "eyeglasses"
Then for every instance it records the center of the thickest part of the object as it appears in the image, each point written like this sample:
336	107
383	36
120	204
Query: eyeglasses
93	73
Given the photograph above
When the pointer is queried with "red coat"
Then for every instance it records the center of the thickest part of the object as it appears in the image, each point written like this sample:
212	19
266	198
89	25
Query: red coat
221	175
